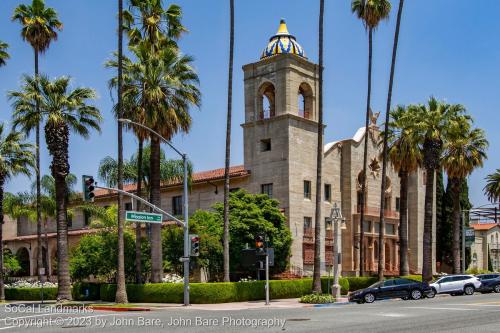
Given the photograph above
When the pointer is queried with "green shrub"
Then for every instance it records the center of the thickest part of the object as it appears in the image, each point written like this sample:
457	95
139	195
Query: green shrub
360	282
413	277
317	299
344	285
30	294
475	271
85	291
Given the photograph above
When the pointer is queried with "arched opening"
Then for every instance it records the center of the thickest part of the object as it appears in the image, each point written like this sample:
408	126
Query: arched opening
387	250
23	257
267	107
304	101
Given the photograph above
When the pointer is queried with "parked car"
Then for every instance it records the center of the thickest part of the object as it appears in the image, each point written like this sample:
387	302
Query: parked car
489	282
393	288
456	285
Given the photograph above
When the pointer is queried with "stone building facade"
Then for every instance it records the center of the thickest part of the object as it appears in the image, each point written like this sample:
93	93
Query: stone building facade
280	139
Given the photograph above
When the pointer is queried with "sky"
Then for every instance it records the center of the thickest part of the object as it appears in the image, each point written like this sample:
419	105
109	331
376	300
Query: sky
448	49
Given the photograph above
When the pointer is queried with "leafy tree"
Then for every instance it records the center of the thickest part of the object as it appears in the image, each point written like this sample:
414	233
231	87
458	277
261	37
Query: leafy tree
370	12
40	25
3	53
10	263
16	157
492	188
63	110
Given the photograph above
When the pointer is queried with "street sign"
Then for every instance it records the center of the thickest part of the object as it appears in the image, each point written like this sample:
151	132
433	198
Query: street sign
132	216
469	237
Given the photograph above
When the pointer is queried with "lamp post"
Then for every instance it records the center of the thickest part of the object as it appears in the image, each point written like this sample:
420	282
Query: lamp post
336	218
185	258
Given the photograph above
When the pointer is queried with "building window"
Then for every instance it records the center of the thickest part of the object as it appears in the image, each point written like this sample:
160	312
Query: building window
267	189
307	189
328	224
390	229
265	145
177	205
387	203
305	100
86	218
128	206
367	226
328	192
398	204
267	98
377	227
307	223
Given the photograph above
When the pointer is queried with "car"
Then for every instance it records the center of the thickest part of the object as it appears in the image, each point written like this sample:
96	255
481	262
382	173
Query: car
489	282
456	285
392	288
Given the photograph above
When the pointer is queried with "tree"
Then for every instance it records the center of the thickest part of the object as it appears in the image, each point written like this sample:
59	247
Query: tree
39	28
432	124
227	161
492	188
16	157
405	156
371	12
464	151
3	53
63	110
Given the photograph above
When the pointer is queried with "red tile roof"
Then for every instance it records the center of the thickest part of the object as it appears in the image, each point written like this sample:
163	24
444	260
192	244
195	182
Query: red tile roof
484	226
197	177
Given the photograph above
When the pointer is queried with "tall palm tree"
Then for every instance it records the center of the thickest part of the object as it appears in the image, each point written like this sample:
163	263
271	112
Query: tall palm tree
3	53
319	158
16	157
63	110
405	156
433	123
40	25
227	161
381	253
464	151
371	12
492	188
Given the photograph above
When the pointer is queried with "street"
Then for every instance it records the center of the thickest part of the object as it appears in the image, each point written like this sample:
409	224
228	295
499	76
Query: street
478	313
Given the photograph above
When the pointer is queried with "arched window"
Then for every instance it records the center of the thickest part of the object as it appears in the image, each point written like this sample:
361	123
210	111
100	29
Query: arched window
23	256
267	108
304	100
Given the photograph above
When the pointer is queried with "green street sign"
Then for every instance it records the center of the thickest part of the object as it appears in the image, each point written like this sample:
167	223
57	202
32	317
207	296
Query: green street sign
469	237
132	216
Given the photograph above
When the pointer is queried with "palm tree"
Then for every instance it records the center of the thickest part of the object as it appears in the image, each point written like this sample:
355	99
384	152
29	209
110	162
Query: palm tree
3	53
432	123
319	159
492	188
405	156
464	151
16	157
371	12
63	110
227	161
40	25
404	251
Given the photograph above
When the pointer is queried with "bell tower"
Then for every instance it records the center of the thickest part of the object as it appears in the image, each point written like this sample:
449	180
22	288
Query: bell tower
280	129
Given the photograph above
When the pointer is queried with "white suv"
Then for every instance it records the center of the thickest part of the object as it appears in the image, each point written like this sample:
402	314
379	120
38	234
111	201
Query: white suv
456	285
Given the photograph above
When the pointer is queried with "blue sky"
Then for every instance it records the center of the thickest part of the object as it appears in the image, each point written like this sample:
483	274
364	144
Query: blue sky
448	48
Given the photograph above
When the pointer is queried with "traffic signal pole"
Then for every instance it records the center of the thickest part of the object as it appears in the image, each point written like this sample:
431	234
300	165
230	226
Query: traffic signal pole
267	278
186	233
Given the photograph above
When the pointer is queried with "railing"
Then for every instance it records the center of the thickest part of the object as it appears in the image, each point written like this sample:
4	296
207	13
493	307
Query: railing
373	211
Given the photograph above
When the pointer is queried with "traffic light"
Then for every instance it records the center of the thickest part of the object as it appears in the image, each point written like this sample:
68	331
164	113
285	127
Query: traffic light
260	244
195	245
88	188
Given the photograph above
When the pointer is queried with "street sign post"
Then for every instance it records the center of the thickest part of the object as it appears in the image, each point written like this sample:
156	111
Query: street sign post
132	216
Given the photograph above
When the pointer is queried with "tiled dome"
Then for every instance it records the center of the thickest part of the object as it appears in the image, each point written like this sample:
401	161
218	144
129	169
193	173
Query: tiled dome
282	42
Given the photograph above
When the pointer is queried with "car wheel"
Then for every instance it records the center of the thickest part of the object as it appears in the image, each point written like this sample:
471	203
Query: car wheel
416	294
432	294
369	298
469	290
497	288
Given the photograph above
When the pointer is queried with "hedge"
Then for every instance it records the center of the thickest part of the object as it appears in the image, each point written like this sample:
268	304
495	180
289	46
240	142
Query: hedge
30	294
221	292
85	291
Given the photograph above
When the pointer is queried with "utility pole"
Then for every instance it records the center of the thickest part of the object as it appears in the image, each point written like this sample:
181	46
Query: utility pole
463	242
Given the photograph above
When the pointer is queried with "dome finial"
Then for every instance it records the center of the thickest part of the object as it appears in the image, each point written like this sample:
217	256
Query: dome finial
282	30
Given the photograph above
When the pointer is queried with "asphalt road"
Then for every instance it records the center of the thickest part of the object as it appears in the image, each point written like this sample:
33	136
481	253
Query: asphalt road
478	313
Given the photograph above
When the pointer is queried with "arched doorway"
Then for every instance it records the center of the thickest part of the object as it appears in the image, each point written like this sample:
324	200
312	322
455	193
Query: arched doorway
387	257
23	257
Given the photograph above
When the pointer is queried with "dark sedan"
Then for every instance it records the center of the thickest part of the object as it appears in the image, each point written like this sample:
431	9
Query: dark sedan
489	282
393	288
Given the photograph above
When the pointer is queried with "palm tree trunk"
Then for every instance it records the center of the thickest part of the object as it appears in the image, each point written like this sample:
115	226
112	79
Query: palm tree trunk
456	189
403	225
38	186
46	243
2	287
138	230
121	289
228	143
156	248
319	160
365	161
381	252
427	237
